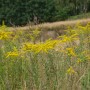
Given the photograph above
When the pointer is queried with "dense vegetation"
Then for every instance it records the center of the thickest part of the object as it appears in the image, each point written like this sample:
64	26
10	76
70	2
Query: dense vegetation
21	12
80	16
62	64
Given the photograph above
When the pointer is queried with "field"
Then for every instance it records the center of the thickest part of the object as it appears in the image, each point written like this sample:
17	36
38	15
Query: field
60	25
27	63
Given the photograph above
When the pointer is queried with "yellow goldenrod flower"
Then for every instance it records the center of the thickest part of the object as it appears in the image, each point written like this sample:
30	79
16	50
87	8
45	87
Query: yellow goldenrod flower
71	71
27	46
13	53
79	61
40	47
70	52
88	57
70	38
48	45
5	35
65	38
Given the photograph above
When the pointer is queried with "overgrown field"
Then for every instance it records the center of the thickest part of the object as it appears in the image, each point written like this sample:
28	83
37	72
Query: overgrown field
61	64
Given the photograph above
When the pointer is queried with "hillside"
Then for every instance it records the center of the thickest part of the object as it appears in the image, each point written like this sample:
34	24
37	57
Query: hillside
61	25
52	30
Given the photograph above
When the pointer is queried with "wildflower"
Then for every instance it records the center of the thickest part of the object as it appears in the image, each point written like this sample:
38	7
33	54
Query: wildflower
84	29
86	53
70	38
13	53
35	34
5	35
71	71
48	45
40	47
79	61
88	57
65	38
27	46
70	51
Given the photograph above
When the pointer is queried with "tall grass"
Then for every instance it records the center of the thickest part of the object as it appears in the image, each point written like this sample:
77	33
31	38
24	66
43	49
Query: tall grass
62	64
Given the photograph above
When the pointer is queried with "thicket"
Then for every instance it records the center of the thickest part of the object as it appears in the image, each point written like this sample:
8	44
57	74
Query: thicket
21	12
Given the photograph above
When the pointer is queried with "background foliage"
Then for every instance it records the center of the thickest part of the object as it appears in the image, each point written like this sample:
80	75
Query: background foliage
21	12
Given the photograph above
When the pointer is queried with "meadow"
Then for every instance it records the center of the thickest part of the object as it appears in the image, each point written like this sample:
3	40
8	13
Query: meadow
55	64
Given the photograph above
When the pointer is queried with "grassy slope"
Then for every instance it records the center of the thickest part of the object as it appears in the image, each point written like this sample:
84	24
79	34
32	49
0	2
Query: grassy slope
61	25
53	30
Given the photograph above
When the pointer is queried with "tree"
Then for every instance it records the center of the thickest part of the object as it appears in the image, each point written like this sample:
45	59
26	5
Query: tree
20	12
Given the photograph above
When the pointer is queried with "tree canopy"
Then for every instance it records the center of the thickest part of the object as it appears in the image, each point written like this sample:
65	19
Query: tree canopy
21	12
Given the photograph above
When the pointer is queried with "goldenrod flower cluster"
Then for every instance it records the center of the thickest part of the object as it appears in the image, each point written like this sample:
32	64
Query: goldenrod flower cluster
70	52
71	71
14	53
71	38
5	35
40	47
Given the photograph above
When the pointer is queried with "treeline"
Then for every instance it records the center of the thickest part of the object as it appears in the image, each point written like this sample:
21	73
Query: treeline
21	12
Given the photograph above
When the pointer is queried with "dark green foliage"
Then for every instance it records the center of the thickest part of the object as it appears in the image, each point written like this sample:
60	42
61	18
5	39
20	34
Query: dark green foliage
21	12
